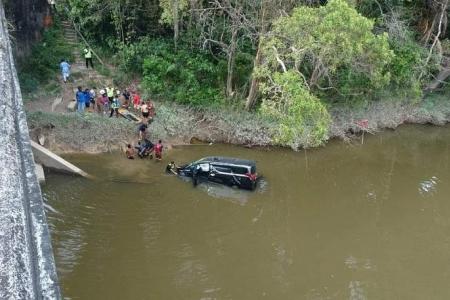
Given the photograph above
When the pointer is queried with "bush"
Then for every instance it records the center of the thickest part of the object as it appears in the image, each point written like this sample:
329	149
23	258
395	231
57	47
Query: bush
406	66
43	62
303	120
184	76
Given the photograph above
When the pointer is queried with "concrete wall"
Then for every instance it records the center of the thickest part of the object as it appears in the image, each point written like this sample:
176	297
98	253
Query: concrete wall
50	160
27	267
28	18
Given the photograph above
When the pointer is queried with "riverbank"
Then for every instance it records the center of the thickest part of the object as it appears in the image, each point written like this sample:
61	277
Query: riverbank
177	124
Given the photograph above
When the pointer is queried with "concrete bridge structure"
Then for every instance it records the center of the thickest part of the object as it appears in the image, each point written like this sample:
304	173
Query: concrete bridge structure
27	267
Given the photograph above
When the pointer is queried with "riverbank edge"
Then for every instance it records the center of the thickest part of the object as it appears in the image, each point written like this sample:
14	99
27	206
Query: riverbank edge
182	125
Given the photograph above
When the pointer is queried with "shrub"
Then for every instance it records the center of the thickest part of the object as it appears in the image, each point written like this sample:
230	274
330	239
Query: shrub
43	62
184	76
303	119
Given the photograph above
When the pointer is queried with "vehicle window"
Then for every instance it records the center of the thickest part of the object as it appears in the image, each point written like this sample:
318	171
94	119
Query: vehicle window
253	169
204	167
221	169
240	170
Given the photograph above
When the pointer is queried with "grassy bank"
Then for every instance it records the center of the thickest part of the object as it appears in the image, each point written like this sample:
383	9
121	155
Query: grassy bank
174	124
177	124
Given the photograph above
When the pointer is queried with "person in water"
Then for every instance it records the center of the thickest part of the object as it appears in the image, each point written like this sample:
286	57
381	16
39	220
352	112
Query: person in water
142	131
130	152
158	150
145	148
172	168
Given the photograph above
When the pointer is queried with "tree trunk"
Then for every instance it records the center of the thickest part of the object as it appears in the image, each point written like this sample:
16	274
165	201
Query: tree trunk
254	85
176	28
230	66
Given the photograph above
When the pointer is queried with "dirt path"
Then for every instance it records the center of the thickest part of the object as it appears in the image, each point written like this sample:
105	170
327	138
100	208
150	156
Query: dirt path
80	76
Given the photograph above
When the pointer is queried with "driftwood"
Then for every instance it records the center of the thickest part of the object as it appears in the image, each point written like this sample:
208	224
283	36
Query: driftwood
440	78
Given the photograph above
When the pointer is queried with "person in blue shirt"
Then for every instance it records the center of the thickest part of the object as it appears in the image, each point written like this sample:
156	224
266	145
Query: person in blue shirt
81	102
65	69
87	98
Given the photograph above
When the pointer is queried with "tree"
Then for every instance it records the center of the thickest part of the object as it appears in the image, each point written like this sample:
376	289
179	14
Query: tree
111	22
303	119
324	42
224	24
172	14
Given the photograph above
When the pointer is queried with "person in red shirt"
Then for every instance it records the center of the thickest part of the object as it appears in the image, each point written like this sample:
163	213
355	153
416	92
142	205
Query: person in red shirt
158	150
136	100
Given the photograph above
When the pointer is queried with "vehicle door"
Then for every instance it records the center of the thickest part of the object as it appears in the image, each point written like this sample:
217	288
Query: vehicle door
219	173
238	175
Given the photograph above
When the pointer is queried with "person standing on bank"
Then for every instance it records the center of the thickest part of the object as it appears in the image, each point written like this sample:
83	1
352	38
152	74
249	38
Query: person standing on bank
65	69
115	105
88	57
80	96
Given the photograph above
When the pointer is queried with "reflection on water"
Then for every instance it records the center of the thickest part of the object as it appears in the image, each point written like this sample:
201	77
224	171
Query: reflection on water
368	221
428	187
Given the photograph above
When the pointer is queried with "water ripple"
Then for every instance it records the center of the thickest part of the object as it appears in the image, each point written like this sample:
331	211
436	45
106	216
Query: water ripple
428	187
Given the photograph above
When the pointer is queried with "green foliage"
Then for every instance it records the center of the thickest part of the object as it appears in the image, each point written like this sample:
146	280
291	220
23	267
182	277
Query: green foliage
327	41
131	57
171	8
303	119
184	76
43	62
406	66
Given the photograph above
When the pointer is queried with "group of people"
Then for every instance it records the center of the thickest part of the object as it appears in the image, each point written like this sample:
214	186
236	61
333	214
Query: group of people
110	100
145	148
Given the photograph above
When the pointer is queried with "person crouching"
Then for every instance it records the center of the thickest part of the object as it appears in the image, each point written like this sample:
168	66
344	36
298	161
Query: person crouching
130	152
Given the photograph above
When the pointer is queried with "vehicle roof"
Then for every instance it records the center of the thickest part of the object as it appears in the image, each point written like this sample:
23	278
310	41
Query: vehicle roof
228	160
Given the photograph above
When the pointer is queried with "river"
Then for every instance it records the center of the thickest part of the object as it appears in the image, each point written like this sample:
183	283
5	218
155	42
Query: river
346	221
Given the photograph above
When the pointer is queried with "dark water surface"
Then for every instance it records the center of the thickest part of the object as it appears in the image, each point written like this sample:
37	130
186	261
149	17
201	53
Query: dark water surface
347	221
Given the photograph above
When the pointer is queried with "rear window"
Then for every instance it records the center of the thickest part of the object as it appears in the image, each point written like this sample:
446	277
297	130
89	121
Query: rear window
240	170
253	169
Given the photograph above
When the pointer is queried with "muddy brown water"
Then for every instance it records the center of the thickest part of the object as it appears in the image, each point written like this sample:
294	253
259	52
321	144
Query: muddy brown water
346	221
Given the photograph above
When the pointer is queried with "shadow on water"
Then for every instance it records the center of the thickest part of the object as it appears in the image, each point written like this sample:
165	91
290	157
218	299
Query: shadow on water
233	194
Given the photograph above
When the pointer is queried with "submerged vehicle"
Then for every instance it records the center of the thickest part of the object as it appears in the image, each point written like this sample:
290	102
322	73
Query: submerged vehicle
225	170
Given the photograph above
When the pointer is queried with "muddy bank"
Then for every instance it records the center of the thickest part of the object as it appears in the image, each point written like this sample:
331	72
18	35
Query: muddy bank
92	133
176	124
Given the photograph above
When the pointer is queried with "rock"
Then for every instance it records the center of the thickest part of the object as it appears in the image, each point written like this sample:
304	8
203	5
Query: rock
72	106
39	173
41	140
56	102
